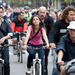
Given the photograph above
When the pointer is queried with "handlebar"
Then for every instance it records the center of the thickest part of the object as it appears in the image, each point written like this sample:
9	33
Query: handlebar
37	48
7	45
19	32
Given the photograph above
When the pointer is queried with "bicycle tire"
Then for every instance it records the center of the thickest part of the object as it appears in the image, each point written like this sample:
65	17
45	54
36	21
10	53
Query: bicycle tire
21	55
18	52
37	69
18	55
1	69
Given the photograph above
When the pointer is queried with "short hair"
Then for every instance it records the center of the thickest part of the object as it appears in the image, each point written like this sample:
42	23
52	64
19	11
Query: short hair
66	12
2	8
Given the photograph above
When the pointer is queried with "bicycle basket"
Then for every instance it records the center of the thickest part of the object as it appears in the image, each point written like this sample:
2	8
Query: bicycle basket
70	67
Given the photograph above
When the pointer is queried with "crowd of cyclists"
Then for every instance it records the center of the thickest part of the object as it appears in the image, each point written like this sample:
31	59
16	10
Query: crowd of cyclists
55	28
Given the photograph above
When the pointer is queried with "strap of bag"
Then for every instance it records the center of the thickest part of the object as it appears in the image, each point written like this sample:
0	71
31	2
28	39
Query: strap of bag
2	31
34	35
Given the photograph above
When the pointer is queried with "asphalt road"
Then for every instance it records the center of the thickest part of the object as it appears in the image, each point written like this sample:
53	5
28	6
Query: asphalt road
17	68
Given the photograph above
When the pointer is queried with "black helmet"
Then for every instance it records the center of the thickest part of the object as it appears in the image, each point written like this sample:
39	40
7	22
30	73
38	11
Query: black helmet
26	7
70	67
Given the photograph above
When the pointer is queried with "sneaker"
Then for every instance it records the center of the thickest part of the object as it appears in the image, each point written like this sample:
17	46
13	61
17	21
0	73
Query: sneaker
28	73
15	52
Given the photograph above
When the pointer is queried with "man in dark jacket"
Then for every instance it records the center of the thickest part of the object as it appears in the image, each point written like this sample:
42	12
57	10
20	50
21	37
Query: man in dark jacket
48	21
14	14
58	30
66	48
5	34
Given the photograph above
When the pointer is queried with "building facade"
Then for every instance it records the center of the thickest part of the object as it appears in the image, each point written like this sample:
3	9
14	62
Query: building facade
56	4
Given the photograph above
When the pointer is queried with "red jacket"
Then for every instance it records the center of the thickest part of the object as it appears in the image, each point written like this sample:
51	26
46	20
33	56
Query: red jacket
19	25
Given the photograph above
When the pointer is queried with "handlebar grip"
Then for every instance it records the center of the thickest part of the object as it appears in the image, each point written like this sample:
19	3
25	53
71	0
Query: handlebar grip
9	45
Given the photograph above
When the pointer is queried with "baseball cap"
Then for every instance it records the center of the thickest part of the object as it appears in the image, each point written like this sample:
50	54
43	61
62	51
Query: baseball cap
71	25
26	7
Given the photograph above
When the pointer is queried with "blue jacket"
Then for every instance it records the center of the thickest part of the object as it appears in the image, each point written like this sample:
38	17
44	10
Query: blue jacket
67	47
13	15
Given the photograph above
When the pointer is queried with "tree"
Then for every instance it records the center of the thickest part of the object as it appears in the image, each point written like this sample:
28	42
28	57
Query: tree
68	1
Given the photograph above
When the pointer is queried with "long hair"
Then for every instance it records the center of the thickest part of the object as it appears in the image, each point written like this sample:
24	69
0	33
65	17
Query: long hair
41	23
66	12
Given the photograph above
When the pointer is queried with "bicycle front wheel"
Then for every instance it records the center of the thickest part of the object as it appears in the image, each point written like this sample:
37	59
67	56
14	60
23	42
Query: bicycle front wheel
37	69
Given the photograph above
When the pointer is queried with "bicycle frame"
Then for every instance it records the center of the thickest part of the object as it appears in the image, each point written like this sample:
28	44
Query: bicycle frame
36	66
19	49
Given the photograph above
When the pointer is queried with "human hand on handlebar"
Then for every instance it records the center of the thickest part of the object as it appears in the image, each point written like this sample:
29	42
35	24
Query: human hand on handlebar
25	47
60	62
47	46
52	45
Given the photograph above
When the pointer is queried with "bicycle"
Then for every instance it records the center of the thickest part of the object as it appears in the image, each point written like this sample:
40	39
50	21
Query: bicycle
36	64
70	67
2	60
19	48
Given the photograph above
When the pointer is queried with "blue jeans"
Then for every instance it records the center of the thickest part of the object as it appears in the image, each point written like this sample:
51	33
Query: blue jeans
5	56
55	70
31	56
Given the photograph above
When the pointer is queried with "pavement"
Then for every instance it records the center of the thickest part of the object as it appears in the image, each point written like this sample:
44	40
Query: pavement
17	68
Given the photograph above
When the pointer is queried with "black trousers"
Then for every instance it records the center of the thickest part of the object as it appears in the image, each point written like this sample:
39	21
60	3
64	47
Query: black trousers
46	61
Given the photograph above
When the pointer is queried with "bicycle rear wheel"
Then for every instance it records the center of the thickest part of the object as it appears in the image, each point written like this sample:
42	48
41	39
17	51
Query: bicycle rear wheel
18	52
